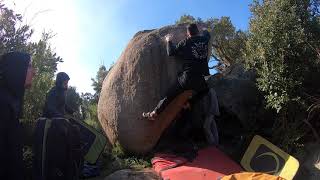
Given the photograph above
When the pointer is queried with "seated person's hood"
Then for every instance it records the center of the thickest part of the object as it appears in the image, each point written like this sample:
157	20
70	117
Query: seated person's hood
13	72
61	77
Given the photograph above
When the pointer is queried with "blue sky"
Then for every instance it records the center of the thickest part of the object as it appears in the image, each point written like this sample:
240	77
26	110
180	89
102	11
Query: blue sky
90	33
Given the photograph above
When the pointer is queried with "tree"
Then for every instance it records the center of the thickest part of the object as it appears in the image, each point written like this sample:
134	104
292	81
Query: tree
87	99
73	101
282	48
89	110
45	63
186	18
15	36
228	43
97	82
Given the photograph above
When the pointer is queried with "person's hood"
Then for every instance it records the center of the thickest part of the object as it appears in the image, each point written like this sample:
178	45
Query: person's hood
13	72
61	77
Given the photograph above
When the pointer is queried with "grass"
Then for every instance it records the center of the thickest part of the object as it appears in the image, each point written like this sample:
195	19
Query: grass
117	159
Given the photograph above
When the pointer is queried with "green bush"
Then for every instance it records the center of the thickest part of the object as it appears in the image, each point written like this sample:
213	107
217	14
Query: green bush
281	47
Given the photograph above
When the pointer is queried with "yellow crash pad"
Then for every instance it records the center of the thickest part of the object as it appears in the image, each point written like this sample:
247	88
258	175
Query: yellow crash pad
263	156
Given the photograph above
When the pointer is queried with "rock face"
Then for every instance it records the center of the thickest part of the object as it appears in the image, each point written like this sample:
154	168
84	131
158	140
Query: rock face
136	83
128	174
238	95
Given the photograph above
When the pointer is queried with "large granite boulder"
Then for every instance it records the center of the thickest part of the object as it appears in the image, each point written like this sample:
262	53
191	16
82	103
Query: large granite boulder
136	83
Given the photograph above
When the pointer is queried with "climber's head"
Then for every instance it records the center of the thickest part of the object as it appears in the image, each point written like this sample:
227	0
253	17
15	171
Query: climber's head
192	30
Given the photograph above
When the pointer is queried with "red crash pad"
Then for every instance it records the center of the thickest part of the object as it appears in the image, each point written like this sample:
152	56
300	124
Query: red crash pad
210	164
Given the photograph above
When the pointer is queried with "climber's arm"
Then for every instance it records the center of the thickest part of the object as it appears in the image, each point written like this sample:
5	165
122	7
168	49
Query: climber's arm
206	34
175	50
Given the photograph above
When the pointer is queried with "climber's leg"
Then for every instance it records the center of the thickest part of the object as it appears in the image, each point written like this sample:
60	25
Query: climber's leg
172	92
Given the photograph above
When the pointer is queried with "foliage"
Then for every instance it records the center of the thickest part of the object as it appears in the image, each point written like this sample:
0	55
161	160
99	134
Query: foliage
281	48
289	130
97	82
15	36
92	119
89	110
228	43
89	101
187	18
45	62
88	106
73	102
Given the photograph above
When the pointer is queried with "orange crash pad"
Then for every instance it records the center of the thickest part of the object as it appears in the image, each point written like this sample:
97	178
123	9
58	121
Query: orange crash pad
252	176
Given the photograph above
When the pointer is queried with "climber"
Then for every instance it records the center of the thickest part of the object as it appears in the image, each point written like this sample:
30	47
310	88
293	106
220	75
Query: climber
194	52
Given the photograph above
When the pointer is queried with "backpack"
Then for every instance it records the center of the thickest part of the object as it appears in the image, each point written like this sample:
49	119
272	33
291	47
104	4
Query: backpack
57	150
92	141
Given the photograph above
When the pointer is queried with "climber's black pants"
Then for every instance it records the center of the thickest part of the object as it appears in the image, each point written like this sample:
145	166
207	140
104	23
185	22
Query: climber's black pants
184	82
172	92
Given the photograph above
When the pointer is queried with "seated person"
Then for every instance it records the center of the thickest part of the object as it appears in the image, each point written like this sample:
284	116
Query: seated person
16	73
55	105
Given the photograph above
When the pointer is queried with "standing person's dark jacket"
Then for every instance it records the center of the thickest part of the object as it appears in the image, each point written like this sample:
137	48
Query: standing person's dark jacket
13	71
193	51
55	105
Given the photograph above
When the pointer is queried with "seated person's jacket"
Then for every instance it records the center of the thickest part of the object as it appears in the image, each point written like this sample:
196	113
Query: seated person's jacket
55	105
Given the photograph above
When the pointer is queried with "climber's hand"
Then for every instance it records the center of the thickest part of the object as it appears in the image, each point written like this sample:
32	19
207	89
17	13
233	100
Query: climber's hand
168	37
